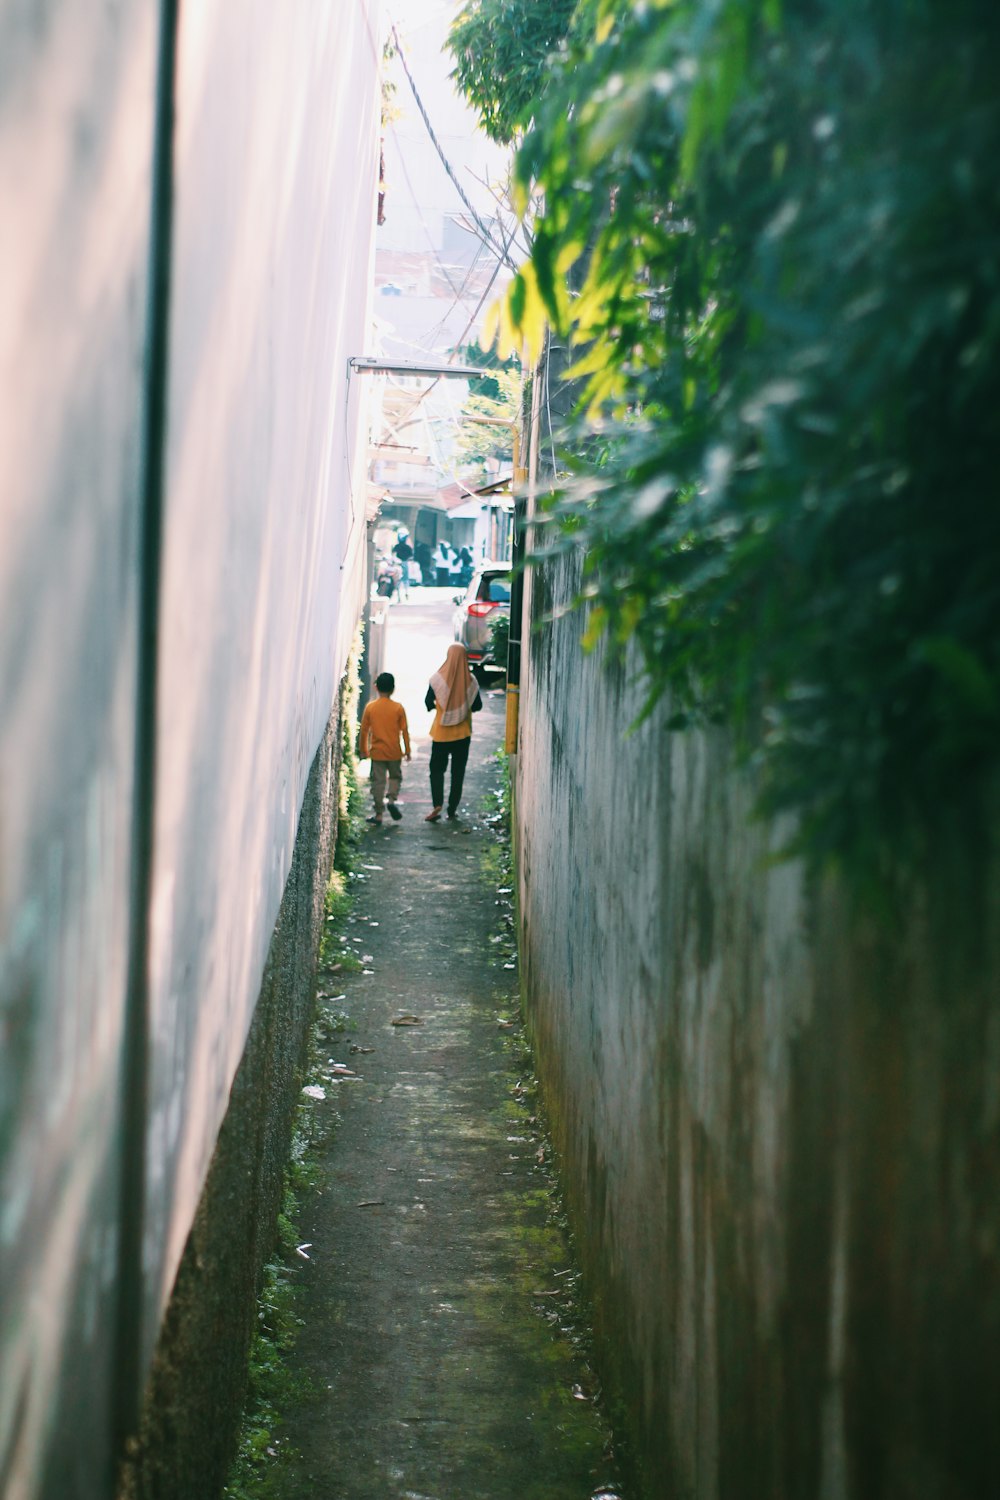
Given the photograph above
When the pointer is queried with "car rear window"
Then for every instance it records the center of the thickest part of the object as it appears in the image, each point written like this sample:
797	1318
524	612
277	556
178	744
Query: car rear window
495	589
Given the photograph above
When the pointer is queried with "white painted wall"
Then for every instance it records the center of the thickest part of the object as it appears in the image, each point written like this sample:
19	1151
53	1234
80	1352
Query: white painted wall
277	131
277	170
76	112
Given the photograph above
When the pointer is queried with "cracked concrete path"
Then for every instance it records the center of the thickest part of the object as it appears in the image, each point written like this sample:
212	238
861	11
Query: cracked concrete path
439	1328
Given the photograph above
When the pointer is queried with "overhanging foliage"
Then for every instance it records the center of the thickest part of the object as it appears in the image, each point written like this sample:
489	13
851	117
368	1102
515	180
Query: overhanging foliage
784	220
501	50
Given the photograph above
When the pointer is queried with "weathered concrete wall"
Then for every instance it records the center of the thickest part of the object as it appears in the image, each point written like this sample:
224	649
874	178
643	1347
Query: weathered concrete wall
778	1117
194	1401
258	574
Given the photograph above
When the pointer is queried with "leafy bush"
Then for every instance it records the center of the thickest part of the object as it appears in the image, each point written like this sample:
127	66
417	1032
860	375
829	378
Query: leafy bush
773	233
499	637
501	50
485	426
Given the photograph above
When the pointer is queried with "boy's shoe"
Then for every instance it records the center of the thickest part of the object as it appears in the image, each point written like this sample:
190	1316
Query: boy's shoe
394	812
377	821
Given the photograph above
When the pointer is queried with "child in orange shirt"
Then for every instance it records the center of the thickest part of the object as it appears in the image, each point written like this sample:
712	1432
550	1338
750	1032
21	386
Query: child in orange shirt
383	727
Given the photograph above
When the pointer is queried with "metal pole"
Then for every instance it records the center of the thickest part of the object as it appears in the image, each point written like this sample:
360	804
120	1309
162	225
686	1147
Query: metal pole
129	1371
516	596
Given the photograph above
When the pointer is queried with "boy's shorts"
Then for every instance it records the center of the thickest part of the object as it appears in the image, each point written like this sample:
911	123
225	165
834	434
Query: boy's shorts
383	768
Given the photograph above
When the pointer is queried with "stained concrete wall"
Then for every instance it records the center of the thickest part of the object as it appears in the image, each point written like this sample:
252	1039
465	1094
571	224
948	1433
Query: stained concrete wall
778	1115
76	132
260	576
193	1407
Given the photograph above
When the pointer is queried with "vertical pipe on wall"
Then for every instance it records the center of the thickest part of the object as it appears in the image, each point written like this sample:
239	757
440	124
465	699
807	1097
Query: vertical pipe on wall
126	1394
516	606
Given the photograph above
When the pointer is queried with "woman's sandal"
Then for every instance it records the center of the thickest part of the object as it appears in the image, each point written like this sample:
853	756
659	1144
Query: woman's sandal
433	815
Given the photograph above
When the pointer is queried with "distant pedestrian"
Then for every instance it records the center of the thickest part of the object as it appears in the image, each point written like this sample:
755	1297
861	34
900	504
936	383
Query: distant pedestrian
442	562
467	567
385	580
404	552
424	561
455	568
454	695
385	736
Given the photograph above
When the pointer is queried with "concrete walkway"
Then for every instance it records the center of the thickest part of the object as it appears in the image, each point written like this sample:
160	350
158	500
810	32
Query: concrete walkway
437	1299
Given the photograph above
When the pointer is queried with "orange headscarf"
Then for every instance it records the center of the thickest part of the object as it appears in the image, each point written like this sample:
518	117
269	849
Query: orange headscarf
454	686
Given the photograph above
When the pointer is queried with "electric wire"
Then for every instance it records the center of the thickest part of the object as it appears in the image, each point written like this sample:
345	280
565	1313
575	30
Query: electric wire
438	328
480	225
420	214
486	291
485	234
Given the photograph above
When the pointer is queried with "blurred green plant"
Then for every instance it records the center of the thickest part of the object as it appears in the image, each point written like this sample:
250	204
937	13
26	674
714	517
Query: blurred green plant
488	385
771	230
480	441
350	797
499	639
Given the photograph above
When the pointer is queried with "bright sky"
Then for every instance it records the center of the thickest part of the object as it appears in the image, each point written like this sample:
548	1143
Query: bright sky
421	207
423	191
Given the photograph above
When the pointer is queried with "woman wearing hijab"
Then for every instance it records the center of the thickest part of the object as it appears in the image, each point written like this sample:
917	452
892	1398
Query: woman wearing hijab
454	694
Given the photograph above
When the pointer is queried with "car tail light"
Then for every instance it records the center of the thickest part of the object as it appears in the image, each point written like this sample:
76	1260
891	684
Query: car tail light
480	607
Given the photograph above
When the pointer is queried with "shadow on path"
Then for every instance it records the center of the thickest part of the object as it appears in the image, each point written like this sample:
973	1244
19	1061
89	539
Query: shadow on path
438	1288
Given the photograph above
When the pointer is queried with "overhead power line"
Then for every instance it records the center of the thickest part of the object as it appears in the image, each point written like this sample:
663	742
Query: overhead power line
462	336
499	250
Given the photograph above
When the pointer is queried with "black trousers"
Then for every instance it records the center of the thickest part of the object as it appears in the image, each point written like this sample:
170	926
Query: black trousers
459	752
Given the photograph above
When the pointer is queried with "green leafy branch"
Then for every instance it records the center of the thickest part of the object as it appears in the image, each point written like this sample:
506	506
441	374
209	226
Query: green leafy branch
772	234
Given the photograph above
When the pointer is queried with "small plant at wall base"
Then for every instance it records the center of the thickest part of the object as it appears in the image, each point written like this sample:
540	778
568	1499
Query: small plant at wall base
498	859
272	1388
350	801
783	224
571	1315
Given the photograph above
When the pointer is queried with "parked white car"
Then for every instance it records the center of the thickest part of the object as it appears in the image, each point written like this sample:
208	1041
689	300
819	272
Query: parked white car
487	596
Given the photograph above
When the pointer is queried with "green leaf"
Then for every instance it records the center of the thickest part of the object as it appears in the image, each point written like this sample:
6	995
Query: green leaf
963	672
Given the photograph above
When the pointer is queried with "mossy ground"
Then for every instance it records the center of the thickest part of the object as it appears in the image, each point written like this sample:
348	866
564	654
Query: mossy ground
440	1343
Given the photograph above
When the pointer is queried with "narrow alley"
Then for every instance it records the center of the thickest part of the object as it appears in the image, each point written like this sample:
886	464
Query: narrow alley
669	330
440	1340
